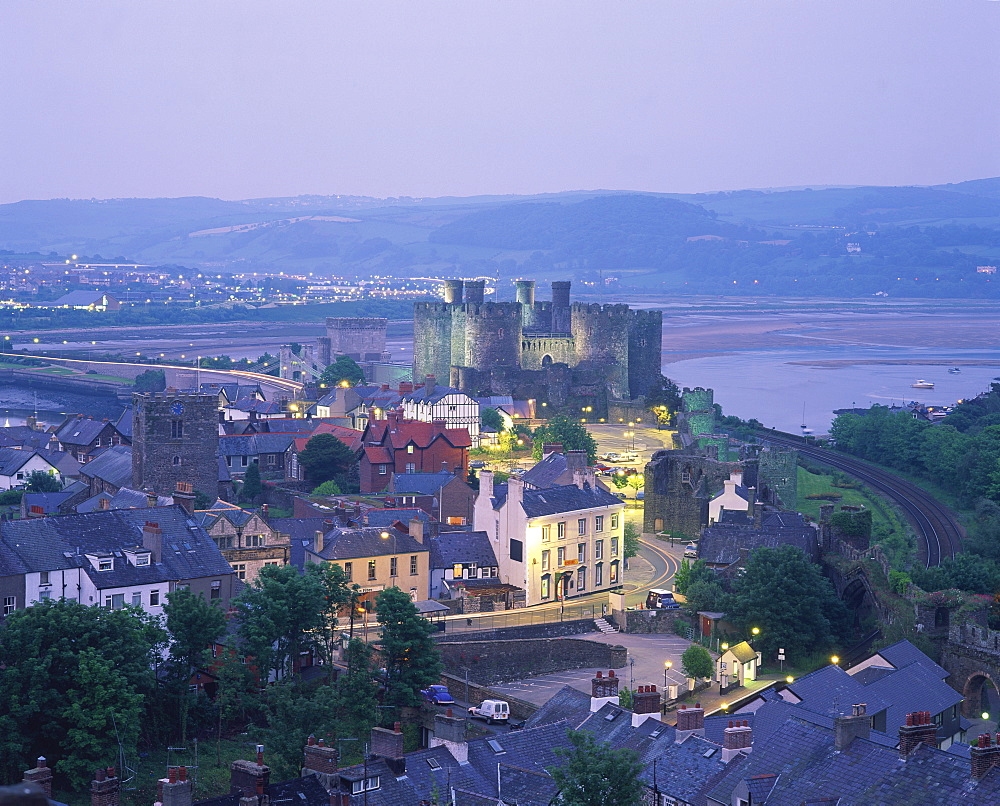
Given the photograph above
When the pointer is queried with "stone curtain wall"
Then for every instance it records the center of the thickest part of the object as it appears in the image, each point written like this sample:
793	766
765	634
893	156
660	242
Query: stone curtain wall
492	662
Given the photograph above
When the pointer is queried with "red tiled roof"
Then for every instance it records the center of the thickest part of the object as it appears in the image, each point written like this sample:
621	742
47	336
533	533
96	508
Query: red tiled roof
419	433
378	456
350	437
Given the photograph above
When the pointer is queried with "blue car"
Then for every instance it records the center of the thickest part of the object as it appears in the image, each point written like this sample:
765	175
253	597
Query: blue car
438	695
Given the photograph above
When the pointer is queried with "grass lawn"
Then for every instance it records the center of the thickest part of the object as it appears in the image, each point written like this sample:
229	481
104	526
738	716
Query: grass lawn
816	484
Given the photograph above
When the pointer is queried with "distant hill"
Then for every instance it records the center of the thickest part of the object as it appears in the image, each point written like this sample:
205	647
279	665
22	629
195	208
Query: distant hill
828	240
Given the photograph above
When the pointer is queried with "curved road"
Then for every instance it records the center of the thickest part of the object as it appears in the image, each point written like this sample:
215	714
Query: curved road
939	533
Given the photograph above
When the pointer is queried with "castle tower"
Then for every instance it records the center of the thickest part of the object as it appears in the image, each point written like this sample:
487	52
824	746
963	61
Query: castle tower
362	338
600	334
492	335
645	342
175	437
432	338
559	318
453	291
475	291
530	313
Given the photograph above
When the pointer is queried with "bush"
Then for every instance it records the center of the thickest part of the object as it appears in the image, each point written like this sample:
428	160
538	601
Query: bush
327	488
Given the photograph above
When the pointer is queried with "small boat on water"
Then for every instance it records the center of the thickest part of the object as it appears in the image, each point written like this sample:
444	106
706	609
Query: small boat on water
954	371
922	384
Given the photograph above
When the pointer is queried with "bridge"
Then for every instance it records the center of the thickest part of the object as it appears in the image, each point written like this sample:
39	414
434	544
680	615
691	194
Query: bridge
181	377
972	657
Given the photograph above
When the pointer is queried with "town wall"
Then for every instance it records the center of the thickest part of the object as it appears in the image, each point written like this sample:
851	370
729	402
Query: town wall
493	662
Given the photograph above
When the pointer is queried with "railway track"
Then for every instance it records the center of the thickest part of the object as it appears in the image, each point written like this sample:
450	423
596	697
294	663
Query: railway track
938	531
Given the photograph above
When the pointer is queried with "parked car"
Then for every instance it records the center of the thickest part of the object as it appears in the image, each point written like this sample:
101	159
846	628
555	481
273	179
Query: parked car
622	496
629	456
602	469
657	598
439	695
518	471
613	456
477	465
691	550
640	496
491	710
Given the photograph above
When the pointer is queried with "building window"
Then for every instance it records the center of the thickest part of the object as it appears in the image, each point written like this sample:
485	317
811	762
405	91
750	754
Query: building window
43	577
411	467
413	565
141	560
581	526
115	601
105	565
349	571
253	541
383	469
581	579
581	552
561	556
598	575
154	598
177	461
599	523
598	549
216	592
545	587
409	449
392	566
9	604
241	570
614	546
614	573
244	461
47	594
561	530
371	569
545	559
223	542
137	599
176	429
546	533
614	522
365	785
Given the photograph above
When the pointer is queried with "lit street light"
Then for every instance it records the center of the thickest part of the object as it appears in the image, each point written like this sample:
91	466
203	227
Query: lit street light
666	668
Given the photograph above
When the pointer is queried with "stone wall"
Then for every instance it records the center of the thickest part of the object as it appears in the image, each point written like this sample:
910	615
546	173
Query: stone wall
493	662
649	621
519	709
526	631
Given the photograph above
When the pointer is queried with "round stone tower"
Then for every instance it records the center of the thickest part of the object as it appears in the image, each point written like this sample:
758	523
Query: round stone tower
492	335
475	291
600	334
526	297
453	291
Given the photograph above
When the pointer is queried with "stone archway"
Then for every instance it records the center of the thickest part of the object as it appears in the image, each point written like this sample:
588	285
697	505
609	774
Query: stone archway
546	360
981	695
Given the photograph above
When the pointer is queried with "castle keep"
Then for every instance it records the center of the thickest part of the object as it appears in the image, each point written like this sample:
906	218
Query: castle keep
560	352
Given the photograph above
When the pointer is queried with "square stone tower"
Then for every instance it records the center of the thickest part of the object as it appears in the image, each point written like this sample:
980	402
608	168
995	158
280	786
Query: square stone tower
175	437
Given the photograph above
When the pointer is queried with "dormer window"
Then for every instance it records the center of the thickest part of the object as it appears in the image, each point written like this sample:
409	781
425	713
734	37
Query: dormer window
141	560
365	785
409	448
105	564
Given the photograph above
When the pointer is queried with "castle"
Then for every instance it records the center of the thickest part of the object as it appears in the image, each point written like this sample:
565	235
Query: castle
558	352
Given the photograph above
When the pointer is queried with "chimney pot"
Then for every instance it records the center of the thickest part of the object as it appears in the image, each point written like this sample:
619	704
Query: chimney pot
171	775
182	774
100	776
311	740
42	763
397	727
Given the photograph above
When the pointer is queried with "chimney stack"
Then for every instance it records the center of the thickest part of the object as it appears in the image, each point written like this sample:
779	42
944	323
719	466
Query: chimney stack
690	720
321	761
318	541
152	540
417	529
40	774
645	705
551	447
737	738
985	756
104	788
430	384
848	728
151	499
603	690
184	496
249	778
388	745
177	789
449	731
919	729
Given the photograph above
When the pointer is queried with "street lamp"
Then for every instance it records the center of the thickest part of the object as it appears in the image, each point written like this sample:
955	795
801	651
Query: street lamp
755	631
834	660
666	668
393	559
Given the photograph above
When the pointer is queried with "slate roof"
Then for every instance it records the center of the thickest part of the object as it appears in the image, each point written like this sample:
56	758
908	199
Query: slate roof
784	520
58	542
545	472
419	483
80	297
568	498
13	459
307	791
743	651
62	461
49	502
387	517
903	653
449	548
113	465
81	431
912	688
830	689
720	544
255	405
14	435
123	499
419	394
254	444
124	423
349	544
682	768
568	704
237	516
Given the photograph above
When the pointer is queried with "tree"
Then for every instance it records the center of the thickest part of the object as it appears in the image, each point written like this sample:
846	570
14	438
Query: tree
697	662
595	774
630	540
411	659
284	613
620	479
194	624
325	457
39	481
71	659
252	488
784	594
491	419
636	481
152	380
342	372
293	712
356	695
663	399
327	488
569	433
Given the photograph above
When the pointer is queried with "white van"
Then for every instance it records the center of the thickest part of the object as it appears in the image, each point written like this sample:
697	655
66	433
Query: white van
491	710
